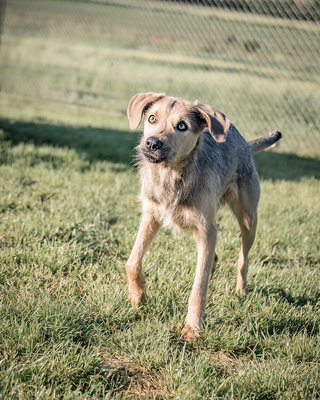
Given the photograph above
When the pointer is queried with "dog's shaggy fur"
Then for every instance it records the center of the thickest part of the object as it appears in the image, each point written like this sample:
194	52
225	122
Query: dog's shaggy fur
191	159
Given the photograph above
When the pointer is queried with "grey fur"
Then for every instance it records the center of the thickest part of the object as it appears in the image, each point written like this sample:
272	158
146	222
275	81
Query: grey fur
184	179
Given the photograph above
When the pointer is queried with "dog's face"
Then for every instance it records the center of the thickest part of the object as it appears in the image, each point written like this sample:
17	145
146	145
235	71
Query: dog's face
171	130
172	126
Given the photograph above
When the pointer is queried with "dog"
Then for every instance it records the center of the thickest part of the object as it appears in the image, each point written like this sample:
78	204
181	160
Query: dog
191	159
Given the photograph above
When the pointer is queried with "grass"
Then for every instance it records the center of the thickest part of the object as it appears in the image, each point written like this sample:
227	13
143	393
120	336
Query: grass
69	215
69	209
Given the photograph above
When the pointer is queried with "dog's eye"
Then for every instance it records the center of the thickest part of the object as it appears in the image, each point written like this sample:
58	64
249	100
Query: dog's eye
182	126
152	119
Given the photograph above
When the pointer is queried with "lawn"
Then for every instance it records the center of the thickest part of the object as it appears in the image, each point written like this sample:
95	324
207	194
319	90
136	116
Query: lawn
69	214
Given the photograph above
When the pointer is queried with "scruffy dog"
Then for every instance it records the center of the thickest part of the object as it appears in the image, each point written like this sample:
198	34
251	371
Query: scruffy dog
191	159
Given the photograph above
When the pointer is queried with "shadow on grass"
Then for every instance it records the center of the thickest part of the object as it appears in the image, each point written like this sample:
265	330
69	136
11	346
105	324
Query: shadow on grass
284	166
97	144
285	295
118	147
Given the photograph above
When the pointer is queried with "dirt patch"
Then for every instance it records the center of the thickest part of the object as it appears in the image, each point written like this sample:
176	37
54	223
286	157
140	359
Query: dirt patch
131	379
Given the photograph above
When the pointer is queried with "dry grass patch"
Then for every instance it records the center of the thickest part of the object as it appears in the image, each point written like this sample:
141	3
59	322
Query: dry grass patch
132	380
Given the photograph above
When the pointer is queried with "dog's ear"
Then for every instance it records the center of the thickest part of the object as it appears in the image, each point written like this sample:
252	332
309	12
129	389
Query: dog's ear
138	104
216	122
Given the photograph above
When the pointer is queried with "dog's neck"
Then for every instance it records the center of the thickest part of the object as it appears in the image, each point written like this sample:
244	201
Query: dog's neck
170	184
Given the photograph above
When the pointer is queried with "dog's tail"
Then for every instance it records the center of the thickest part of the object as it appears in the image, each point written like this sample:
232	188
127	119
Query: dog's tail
264	142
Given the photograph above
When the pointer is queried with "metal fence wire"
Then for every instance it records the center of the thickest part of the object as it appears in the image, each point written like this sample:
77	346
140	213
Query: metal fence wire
257	61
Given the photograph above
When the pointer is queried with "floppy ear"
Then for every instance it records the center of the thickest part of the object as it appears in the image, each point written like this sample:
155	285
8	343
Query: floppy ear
138	104
217	123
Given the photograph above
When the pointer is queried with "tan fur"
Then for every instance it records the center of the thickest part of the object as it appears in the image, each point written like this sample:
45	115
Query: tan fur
191	159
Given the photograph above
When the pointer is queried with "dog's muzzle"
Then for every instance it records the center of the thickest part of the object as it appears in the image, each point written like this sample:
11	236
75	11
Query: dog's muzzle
154	151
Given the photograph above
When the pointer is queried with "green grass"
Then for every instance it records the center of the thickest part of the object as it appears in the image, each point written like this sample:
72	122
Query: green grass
69	211
69	216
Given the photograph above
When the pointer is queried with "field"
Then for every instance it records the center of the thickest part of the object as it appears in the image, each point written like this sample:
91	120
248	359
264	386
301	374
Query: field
262	72
69	215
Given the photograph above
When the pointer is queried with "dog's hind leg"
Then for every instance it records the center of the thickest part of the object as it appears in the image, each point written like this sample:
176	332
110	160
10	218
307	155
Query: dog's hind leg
136	279
244	205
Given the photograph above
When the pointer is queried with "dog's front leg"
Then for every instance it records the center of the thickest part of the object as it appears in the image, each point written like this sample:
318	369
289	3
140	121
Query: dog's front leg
136	279
205	240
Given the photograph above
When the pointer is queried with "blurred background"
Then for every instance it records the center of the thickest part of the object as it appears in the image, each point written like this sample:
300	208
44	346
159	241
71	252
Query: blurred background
79	62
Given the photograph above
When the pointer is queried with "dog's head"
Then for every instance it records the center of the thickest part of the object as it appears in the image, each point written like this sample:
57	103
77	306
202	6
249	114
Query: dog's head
172	125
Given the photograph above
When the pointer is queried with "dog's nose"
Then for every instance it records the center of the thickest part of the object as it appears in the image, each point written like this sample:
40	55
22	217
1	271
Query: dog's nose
153	144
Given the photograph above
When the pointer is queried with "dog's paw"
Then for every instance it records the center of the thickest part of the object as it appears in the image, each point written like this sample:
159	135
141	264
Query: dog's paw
190	333
137	298
241	291
136	285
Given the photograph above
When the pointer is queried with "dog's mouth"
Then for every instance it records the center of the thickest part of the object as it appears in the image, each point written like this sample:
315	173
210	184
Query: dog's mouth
155	157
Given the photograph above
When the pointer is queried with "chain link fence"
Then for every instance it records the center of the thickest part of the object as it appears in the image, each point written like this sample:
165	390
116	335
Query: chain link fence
257	61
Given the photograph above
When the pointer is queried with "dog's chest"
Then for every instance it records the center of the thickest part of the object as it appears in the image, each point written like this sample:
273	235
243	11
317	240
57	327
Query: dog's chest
170	197
166	187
